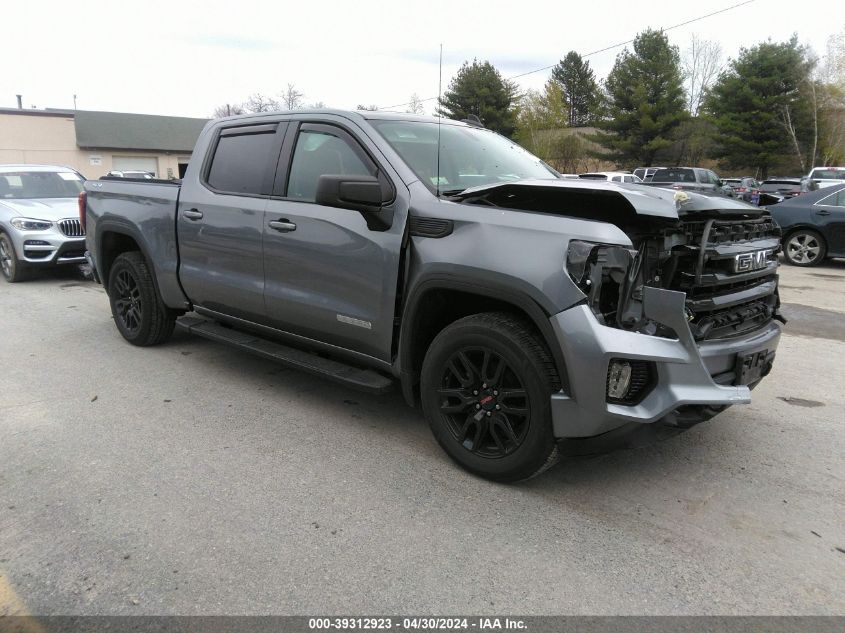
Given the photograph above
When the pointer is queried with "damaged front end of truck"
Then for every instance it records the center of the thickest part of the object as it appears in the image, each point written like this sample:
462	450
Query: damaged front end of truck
673	327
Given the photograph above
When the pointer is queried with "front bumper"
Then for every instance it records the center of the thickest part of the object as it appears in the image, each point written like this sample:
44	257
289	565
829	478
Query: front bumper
687	374
47	248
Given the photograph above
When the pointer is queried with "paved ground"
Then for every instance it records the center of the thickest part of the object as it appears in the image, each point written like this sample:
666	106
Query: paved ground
192	478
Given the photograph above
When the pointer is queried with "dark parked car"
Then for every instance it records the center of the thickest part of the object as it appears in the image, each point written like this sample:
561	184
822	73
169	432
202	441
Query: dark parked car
813	226
786	187
745	188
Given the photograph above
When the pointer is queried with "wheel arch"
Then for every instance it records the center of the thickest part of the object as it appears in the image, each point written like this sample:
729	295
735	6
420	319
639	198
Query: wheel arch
436	303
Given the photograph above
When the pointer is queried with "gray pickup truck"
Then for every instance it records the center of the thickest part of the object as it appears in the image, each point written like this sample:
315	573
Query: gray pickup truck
525	312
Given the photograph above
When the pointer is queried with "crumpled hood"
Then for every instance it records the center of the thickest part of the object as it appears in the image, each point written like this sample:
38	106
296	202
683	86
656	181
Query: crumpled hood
41	208
641	199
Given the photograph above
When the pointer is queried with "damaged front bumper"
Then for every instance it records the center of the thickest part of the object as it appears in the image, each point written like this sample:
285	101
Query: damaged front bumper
689	384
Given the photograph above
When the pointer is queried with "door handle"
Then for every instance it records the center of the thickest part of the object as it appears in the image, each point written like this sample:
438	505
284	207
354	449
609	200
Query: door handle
192	214
823	212
283	225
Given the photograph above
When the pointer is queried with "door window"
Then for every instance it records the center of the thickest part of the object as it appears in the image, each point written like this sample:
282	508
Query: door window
319	153
836	200
241	160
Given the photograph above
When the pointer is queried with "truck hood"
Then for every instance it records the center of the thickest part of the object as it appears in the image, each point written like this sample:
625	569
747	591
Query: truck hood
41	208
600	200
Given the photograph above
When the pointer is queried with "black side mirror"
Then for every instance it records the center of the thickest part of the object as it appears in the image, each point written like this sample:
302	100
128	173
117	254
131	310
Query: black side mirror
366	194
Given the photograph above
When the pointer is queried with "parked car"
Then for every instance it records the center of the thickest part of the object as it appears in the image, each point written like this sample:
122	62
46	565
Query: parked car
126	173
690	179
821	177
784	187
813	226
612	176
521	309
645	173
39	219
745	188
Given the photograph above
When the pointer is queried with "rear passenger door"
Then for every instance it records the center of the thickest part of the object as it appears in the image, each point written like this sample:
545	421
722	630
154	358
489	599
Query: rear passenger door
330	276
220	220
829	215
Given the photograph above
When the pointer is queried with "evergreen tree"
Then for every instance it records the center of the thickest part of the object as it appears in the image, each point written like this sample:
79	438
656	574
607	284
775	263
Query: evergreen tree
645	101
762	107
478	89
579	87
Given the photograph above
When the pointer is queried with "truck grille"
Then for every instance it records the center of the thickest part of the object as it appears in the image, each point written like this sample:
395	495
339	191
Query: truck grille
728	270
71	228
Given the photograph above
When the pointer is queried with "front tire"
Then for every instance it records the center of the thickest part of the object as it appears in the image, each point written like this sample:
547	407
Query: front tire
12	267
804	247
485	388
139	314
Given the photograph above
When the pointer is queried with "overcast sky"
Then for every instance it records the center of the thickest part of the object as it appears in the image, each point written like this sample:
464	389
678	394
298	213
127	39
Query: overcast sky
186	58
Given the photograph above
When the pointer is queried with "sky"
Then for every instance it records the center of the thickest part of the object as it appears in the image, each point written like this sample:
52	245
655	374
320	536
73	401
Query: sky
186	58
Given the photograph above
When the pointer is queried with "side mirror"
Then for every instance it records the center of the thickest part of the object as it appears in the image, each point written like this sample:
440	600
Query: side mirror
359	193
365	194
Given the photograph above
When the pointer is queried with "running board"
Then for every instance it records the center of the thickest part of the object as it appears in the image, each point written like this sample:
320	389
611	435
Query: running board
362	379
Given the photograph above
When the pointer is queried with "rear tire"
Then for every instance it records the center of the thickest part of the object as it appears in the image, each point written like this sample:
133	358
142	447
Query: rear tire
804	247
485	388
12	267
139	314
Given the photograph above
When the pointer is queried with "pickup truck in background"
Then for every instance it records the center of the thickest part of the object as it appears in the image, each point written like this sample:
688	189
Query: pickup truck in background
523	311
690	179
821	177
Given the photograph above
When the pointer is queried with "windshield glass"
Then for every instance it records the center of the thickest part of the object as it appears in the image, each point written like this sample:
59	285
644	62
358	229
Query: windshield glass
39	184
673	175
828	174
468	156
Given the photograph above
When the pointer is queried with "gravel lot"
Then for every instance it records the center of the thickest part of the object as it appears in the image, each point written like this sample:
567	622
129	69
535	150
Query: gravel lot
192	478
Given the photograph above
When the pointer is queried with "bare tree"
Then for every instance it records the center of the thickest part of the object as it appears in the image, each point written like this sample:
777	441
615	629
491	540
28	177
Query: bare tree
292	98
227	109
318	105
701	64
372	107
415	105
261	103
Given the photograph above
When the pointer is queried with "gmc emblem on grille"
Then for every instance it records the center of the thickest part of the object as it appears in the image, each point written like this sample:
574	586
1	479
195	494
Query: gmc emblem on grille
746	262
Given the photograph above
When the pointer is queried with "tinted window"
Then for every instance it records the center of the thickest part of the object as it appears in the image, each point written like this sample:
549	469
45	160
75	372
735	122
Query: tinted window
836	200
673	175
318	154
240	162
828	174
640	173
39	184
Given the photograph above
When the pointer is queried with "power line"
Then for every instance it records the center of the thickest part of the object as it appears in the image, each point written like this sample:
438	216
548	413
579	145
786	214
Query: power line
601	50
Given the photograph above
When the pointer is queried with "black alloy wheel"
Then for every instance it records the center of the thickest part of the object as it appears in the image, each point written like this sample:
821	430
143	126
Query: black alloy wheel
127	301
485	385
485	402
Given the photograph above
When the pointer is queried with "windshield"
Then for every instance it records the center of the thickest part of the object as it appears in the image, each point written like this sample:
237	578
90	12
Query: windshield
673	175
468	156
828	174
39	184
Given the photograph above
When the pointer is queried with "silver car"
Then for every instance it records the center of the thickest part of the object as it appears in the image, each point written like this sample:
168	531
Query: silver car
39	218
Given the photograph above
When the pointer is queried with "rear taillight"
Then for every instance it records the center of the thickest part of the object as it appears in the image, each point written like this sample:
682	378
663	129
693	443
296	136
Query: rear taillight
82	202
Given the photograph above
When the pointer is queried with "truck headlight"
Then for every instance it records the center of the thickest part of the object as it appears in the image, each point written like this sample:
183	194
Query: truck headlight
29	224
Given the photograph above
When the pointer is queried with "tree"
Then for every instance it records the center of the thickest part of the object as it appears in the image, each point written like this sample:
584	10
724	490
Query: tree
261	103
415	105
479	89
541	115
292	98
227	109
701	64
644	101
762	107
370	108
579	87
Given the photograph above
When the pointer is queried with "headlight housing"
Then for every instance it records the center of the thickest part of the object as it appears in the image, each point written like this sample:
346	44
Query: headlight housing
30	224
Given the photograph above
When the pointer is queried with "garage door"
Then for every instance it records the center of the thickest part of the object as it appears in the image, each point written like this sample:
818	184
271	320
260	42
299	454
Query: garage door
141	163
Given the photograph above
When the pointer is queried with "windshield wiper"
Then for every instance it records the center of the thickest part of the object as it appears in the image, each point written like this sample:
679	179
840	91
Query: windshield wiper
452	192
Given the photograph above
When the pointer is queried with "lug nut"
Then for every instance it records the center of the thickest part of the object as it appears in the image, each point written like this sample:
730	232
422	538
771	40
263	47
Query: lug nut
478	406
495	392
489	414
475	392
498	406
484	386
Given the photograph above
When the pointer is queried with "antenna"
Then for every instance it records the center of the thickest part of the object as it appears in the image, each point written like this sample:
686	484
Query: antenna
439	116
